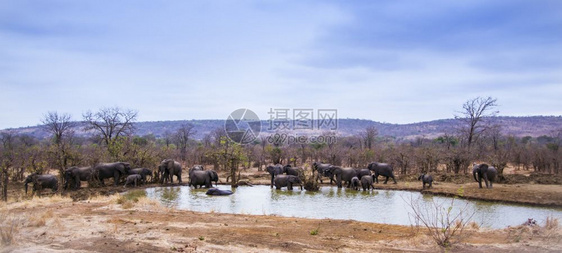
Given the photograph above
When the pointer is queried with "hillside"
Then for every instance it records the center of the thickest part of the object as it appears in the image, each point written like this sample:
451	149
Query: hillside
518	126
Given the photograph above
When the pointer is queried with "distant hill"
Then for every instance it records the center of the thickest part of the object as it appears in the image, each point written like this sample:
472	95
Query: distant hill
518	126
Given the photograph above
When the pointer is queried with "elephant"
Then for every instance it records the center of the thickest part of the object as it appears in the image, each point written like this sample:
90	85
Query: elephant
143	172
73	176
488	173
367	183
287	181
169	168
382	169
355	183
295	171
41	181
323	171
274	170
218	192
109	170
426	179
343	174
362	172
202	177
196	167
132	179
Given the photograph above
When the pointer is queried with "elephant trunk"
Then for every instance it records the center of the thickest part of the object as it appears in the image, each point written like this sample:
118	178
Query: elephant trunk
25	188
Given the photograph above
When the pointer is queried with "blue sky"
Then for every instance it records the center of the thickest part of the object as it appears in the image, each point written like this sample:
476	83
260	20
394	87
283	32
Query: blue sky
389	61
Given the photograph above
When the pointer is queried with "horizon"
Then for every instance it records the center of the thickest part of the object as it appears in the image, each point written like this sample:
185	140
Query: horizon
374	121
384	61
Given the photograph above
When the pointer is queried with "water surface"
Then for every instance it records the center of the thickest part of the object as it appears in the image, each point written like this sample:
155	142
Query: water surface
379	206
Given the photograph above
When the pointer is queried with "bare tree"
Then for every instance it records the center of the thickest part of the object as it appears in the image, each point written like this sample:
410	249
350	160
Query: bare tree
111	123
7	156
59	125
369	136
474	112
182	137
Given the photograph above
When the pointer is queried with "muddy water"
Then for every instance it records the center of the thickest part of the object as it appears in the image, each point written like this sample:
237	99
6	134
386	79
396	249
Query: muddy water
379	206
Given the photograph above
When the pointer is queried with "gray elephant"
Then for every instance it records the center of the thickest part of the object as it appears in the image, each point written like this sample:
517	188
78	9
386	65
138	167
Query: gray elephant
355	183
41	181
343	175
196	167
362	172
287	181
274	170
133	179
382	169
202	178
367	183
143	172
323	170
295	171
218	192
426	179
73	176
111	170
488	173
169	168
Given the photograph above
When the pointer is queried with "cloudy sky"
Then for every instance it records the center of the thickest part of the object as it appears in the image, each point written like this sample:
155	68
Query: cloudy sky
389	61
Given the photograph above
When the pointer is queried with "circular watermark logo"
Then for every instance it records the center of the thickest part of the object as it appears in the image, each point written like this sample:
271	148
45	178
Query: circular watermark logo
242	126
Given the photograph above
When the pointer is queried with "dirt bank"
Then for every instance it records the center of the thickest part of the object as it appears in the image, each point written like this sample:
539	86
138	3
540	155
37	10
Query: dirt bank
102	225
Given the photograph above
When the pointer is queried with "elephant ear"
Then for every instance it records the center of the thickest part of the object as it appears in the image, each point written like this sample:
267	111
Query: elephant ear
170	164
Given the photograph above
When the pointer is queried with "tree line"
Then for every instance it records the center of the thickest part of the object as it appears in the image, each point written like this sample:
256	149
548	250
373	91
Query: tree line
114	139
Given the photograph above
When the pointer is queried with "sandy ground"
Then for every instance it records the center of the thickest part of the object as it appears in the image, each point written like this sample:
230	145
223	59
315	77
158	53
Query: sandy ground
97	220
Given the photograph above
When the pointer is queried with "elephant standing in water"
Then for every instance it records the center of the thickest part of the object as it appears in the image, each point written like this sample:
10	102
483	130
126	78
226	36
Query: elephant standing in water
73	176
111	170
323	170
169	168
274	170
287	181
485	172
355	183
42	181
367	183
426	179
343	174
382	169
203	177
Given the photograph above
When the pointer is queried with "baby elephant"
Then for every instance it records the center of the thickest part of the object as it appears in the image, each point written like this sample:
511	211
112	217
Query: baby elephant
133	179
367	183
426	179
355	183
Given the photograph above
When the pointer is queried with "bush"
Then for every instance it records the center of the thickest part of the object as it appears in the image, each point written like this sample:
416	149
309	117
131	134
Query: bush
441	222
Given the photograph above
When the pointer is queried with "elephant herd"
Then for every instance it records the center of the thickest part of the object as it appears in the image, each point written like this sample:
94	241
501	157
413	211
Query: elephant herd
281	176
122	171
354	177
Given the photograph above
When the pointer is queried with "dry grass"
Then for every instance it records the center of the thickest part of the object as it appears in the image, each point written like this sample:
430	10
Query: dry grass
40	220
9	227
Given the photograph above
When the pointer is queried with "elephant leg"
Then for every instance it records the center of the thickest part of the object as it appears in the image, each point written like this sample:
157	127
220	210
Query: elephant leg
386	180
179	179
271	181
394	179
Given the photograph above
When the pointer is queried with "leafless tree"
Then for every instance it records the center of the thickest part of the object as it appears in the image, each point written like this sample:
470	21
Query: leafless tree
111	123
59	125
7	152
369	136
473	115
182	137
